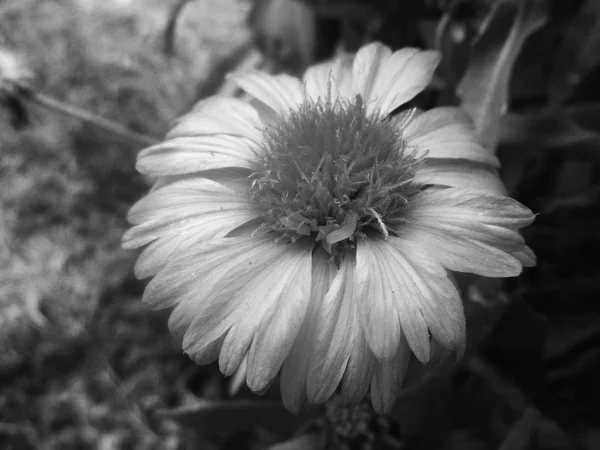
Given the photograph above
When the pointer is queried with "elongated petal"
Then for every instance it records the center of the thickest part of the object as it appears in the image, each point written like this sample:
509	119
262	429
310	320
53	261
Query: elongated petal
211	352
193	154
526	257
446	133
233	177
175	239
387	80
467	255
296	367
387	377
219	115
460	174
376	298
189	278
368	64
187	211
330	78
390	303
279	92
277	332
238	378
404	75
355	383
426	289
335	328
237	289
469	231
470	206
186	199
285	312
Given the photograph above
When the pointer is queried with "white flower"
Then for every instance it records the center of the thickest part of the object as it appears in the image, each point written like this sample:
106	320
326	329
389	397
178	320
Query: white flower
310	233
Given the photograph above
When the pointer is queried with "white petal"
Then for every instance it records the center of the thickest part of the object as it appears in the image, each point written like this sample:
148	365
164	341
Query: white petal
404	75
469	231
467	255
466	206
233	177
355	382
219	115
384	80
281	93
186	199
176	238
210	354
460	174
236	344
240	285
389	301
376	297
277	332
186	211
333	78
368	64
446	132
526	257
295	368
335	327
386	379
426	285
238	378
191	276
194	154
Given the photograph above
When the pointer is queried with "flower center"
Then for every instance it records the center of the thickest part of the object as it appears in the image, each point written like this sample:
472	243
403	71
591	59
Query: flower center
331	172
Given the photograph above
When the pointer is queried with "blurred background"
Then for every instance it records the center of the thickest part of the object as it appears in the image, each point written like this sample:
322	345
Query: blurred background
84	365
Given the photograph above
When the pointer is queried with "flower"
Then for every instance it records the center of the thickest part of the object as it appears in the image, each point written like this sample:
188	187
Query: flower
312	233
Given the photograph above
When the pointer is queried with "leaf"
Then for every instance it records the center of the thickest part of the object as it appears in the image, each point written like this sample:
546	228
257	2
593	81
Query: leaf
484	87
313	441
578	54
522	434
170	28
285	31
344	10
228	417
574	131
455	31
516	345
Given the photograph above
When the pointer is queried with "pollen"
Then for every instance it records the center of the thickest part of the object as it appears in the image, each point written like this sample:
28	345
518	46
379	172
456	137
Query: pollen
331	172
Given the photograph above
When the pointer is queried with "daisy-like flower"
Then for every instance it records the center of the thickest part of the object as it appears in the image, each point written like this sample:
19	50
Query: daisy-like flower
311	232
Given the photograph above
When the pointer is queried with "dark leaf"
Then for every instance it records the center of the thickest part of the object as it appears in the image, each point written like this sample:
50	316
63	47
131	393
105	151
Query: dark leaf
570	391
455	32
484	88
170	29
576	130
15	86
17	111
227	417
314	441
285	31
345	9
516	345
520	436
578	54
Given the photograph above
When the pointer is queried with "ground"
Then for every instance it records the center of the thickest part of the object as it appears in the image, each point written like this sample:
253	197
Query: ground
81	358
85	365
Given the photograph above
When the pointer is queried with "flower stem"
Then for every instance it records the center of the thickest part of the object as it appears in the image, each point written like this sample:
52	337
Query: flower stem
88	117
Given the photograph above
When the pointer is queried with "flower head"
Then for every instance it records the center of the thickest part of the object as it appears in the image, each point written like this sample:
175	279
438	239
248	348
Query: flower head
312	231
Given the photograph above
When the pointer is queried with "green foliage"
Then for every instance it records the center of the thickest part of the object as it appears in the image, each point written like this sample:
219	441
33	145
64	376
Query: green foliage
81	361
84	365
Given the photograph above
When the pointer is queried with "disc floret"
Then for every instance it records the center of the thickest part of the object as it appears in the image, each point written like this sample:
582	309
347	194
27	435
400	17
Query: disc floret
331	171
